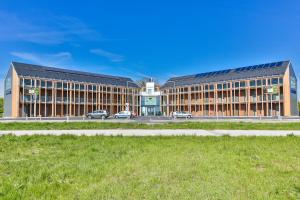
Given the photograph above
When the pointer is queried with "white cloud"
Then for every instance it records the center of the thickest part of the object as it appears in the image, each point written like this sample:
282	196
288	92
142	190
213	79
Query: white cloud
45	29
44	59
111	56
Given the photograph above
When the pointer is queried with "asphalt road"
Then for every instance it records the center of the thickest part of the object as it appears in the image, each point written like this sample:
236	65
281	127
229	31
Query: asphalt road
156	119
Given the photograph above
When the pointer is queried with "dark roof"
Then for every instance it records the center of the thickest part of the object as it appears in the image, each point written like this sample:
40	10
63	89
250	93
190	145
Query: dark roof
23	69
269	69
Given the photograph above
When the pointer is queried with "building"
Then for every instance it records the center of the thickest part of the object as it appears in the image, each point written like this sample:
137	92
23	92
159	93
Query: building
34	91
150	100
261	90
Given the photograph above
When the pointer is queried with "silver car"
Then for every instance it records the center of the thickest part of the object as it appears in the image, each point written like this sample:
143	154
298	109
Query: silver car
181	114
100	114
123	114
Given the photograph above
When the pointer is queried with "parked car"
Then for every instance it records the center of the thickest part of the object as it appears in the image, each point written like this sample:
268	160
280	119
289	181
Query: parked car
123	114
100	114
182	114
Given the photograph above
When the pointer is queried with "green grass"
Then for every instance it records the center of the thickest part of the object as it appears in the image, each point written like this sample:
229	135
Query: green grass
180	125
71	167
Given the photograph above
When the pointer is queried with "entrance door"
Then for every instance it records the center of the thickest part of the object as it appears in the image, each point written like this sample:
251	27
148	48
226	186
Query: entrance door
150	111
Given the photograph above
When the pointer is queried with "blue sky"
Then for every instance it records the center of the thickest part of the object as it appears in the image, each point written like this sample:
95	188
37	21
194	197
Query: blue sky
156	39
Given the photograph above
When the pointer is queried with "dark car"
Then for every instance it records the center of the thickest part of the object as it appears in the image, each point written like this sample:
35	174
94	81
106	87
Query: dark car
100	114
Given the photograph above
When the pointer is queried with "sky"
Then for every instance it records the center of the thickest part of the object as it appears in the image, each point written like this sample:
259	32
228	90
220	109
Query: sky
157	39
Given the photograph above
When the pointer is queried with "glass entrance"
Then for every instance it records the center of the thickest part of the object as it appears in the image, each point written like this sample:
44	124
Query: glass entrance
151	111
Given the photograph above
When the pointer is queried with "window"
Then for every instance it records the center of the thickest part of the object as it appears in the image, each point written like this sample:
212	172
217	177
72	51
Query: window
27	82
252	83
224	86
258	82
280	80
206	87
264	82
274	81
90	87
38	83
211	87
236	84
94	87
65	86
76	86
7	83
59	85
81	87
269	82
219	86
243	84
43	84
49	84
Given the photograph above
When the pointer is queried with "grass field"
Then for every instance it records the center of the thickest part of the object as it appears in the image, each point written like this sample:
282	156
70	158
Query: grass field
71	167
180	125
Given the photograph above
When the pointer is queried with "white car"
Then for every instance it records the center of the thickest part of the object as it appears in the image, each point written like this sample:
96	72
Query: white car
182	114
123	114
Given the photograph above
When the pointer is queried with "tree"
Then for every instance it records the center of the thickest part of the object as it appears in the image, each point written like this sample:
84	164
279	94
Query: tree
1	106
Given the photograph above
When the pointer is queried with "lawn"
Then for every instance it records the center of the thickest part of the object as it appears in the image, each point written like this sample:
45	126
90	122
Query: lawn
98	167
132	125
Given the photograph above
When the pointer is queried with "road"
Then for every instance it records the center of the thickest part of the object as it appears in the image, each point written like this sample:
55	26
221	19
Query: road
146	132
155	119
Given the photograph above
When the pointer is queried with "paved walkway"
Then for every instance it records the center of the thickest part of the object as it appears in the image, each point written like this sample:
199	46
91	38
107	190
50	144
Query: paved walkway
145	132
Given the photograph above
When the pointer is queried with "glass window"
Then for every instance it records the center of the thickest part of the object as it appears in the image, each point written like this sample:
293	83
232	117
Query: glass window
274	81
65	85
269	82
236	84
94	87
38	83
219	86
258	82
43	84
225	86
59	85
280	80
252	83
211	87
206	87
81	87
27	82
264	82
243	84
76	86
49	84
90	87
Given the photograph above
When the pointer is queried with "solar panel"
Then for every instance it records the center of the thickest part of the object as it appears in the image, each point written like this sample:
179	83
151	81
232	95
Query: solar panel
62	74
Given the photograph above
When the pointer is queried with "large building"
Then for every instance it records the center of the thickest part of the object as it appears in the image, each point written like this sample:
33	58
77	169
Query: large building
260	90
